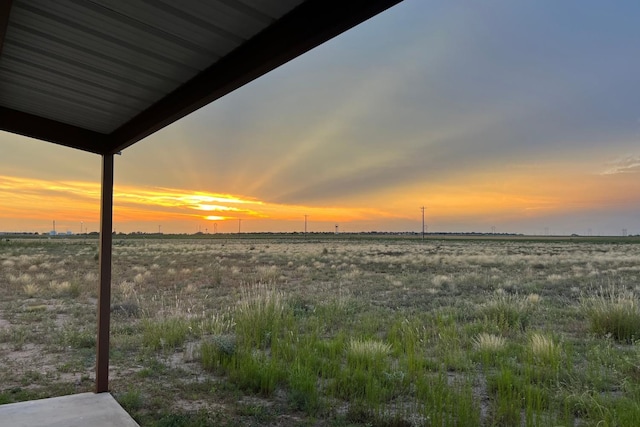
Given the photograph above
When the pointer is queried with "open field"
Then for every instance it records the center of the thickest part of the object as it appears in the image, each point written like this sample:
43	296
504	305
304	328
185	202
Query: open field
332	330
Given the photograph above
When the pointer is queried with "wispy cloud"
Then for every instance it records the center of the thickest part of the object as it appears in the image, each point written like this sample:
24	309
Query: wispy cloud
626	165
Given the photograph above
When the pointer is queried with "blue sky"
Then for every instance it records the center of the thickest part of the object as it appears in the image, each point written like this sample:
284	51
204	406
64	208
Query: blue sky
524	116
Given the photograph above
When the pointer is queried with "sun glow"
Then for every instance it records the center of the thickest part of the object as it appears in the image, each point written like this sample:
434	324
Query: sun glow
488	197
215	208
74	201
216	218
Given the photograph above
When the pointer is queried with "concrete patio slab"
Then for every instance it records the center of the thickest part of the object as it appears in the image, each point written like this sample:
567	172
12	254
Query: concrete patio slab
76	410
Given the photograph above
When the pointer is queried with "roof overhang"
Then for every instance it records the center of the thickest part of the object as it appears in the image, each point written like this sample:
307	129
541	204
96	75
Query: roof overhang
100	75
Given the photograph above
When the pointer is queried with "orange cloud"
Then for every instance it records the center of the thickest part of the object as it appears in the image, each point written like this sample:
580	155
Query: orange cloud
512	194
71	200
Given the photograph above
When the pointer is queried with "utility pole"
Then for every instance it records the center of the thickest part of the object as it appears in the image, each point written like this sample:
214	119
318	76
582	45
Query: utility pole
422	209
305	224
215	228
239	221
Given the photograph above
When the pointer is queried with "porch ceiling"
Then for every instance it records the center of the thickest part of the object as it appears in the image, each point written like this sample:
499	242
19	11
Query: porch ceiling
100	75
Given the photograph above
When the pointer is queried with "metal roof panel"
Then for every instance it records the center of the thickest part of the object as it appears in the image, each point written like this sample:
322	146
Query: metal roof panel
272	8
119	76
144	48
118	70
99	31
78	81
47	106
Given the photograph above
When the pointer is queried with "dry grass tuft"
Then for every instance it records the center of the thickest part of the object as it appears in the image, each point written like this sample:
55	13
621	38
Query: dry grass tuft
368	349
533	298
489	342
440	280
260	299
31	290
267	274
543	348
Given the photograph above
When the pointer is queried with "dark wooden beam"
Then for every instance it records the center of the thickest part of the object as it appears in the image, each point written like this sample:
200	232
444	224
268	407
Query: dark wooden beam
5	11
307	26
50	130
104	294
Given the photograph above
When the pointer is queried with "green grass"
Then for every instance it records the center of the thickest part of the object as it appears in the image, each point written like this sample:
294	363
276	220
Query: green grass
131	400
379	331
166	334
303	389
217	352
259	315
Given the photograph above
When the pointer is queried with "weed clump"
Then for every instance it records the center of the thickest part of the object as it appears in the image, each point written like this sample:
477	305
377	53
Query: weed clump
126	309
614	313
259	315
508	311
216	352
164	334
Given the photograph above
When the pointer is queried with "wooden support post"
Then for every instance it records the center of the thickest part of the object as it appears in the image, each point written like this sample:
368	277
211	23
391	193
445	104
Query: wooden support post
104	294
